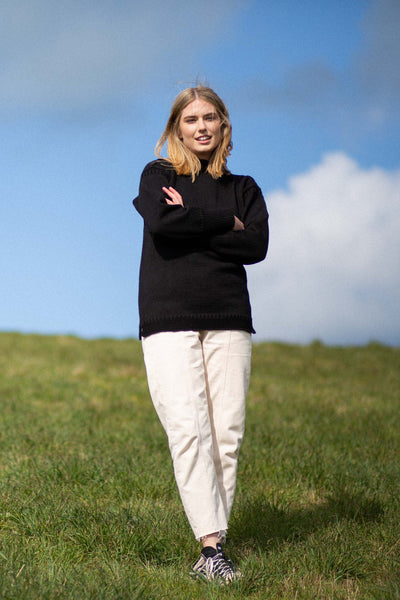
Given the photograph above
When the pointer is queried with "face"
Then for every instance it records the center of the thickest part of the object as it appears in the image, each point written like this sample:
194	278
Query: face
200	128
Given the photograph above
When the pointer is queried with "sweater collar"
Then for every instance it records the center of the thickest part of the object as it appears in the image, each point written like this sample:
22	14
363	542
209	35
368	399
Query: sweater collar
204	164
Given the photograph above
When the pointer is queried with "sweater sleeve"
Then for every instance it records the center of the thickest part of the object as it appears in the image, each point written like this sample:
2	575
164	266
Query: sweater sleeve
250	245
175	221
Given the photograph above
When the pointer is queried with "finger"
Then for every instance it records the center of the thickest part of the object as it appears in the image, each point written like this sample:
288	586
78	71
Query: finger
175	193
167	191
173	196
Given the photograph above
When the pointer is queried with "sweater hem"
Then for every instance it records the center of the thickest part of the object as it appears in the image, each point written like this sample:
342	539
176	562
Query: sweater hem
195	323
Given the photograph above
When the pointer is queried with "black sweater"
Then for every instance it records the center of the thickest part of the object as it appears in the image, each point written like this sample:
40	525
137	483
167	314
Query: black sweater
191	273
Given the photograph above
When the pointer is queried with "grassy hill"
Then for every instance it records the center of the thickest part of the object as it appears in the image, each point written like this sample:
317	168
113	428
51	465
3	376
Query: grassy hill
88	503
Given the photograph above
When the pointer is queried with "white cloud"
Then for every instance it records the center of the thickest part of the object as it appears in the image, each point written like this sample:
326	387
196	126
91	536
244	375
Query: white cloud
333	270
77	54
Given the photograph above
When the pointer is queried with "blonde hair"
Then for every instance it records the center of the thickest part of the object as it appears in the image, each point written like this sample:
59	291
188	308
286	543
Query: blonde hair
181	158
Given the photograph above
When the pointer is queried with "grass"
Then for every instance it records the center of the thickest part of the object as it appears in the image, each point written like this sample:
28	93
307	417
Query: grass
88	503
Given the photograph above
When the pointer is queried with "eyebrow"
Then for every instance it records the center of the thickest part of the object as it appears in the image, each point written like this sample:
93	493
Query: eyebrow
210	114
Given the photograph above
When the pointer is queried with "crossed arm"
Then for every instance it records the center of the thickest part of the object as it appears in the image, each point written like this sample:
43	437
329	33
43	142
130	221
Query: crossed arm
174	198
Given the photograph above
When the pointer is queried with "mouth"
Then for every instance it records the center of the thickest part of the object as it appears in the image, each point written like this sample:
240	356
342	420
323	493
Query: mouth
203	138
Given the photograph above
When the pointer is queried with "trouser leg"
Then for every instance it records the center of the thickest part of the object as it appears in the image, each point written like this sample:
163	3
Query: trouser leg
175	371
227	358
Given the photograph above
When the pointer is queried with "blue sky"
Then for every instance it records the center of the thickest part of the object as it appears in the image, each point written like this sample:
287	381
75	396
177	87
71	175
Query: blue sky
313	90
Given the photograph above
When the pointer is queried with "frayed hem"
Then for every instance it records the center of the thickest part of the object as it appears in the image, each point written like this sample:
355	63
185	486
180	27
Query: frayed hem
221	536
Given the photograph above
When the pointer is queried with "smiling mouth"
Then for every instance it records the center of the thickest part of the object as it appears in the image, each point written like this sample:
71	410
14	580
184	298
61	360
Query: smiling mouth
203	138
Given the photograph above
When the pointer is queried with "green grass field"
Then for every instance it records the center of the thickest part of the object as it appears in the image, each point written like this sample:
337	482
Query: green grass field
88	503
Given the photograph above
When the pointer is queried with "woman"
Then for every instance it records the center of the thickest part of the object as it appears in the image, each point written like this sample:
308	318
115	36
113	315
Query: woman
201	225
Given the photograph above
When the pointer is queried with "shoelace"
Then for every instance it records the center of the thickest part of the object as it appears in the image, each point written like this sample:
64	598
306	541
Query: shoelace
219	565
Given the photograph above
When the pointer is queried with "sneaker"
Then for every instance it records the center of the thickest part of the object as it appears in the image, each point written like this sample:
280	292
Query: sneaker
215	566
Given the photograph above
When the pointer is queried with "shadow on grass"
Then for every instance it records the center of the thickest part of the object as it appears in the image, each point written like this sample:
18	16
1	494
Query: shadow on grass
260	523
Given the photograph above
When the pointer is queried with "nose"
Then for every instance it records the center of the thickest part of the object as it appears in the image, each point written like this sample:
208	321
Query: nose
202	125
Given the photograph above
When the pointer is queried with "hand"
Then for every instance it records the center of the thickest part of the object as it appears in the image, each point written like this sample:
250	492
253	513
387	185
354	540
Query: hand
174	197
238	226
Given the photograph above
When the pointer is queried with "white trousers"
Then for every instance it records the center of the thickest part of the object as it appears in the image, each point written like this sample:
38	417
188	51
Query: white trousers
198	382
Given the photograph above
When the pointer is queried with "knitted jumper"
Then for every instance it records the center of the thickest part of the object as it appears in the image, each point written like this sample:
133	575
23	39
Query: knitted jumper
191	273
